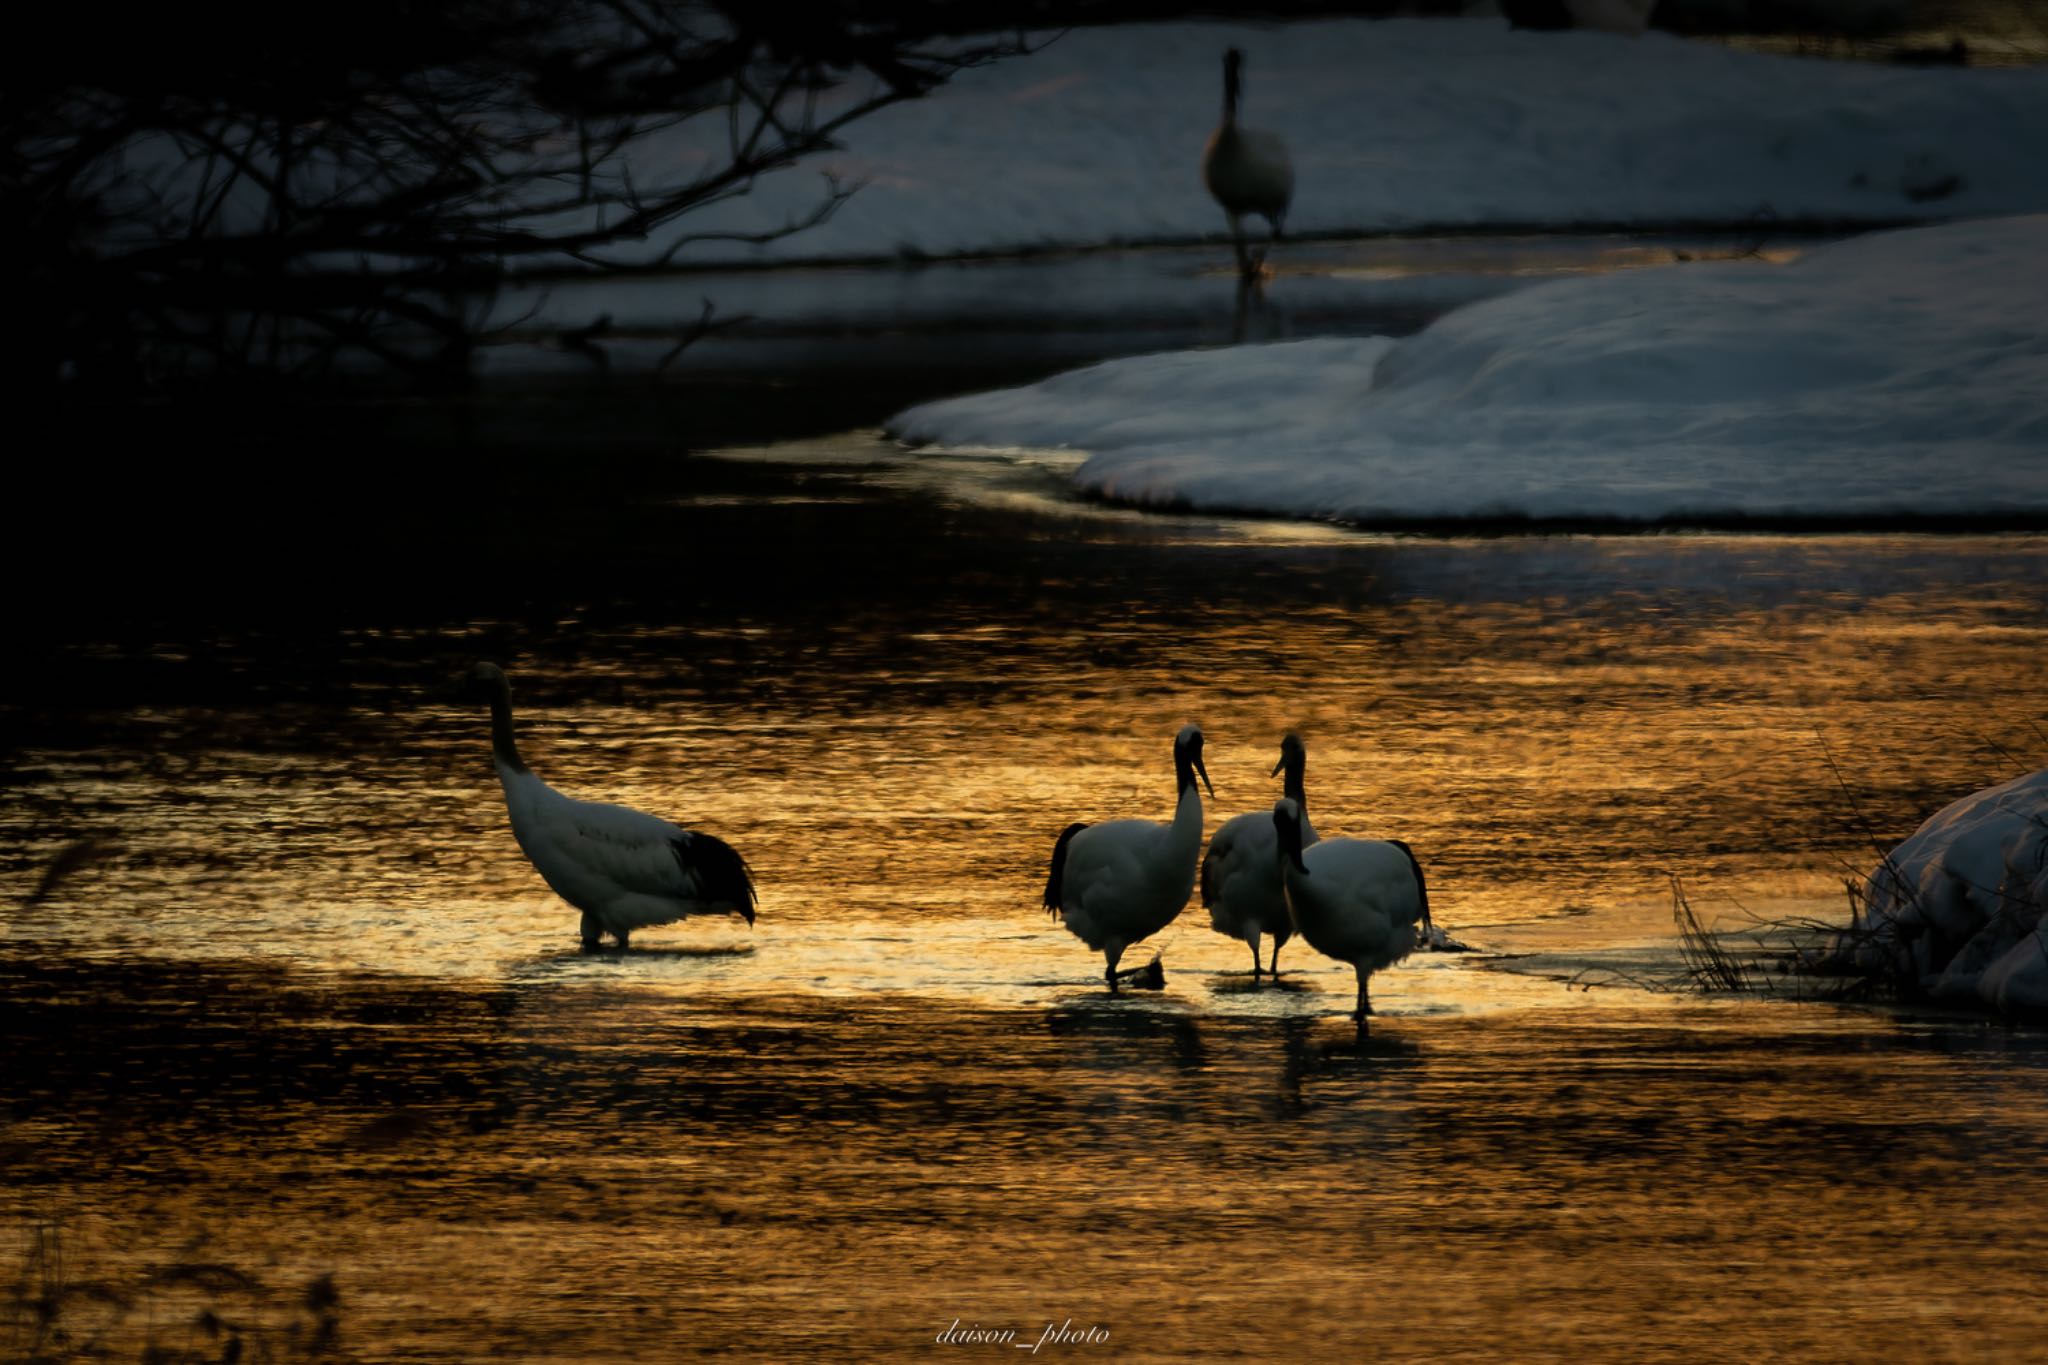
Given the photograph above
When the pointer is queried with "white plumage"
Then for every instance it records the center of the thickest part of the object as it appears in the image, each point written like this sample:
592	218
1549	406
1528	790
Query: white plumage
1241	885
1124	880
1248	171
1356	900
624	869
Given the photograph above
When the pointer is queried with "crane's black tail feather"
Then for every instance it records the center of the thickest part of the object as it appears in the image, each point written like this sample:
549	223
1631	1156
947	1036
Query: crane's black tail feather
1421	887
721	874
1053	882
1212	880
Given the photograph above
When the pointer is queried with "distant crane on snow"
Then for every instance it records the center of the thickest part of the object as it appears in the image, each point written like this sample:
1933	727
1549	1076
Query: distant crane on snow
1247	171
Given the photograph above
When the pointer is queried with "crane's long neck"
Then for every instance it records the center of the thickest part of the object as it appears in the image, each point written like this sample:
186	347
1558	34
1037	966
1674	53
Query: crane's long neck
503	748
1187	816
1229	95
1291	785
1301	905
1287	848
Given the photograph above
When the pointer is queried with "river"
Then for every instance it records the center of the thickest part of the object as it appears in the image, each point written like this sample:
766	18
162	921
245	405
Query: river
301	1053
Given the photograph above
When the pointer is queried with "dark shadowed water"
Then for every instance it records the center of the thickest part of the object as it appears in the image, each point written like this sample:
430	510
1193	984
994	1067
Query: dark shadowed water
299	1041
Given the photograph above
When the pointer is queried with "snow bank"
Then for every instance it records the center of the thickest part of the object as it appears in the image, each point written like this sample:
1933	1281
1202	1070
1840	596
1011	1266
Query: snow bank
1903	374
1959	907
1400	124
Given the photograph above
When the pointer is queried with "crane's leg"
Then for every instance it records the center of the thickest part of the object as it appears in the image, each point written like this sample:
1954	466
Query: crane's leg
1255	956
1278	939
621	937
1114	954
1244	260
1258	262
1364	1000
592	931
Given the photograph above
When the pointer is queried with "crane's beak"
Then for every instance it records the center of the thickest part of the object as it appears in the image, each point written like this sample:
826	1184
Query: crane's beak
1294	856
1278	766
1204	772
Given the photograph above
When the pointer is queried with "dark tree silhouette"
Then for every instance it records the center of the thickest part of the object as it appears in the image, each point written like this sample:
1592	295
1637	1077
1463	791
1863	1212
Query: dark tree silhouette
197	189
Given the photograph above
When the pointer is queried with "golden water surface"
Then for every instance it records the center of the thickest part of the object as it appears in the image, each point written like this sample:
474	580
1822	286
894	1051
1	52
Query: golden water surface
298	1041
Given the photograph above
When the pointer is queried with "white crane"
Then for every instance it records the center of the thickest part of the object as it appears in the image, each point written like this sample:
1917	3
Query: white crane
623	869
1356	900
1124	880
1241	884
1247	171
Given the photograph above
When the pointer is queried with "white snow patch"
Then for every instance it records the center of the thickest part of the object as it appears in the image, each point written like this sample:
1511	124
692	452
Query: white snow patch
1393	125
1901	374
1960	905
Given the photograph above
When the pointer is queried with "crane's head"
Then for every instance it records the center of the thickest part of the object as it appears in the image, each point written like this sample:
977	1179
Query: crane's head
1292	755
1187	758
482	680
1232	60
1287	823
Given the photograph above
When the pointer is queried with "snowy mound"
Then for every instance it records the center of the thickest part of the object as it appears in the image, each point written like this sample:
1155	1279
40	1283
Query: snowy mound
1902	375
1959	906
1398	125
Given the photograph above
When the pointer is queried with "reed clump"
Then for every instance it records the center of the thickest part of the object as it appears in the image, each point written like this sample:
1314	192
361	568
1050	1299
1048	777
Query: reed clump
1795	957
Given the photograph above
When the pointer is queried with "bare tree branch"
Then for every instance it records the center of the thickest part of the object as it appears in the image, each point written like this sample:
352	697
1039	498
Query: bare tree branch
223	192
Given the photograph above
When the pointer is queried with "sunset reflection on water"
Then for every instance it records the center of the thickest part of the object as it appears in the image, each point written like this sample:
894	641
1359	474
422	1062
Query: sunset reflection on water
309	1013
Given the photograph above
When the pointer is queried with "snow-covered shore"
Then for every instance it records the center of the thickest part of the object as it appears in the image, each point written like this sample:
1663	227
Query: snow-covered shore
1958	909
1402	125
1899	375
